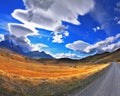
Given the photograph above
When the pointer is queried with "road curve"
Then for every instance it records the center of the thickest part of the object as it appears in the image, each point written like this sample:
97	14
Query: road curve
107	85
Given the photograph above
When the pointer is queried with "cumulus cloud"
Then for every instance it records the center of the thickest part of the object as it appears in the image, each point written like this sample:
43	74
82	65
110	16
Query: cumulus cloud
1	37
107	45
59	34
24	43
18	41
44	4
57	39
99	45
111	47
36	18
55	10
49	14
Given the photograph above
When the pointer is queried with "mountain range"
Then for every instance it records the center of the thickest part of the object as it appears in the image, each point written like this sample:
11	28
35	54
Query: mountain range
18	49
98	58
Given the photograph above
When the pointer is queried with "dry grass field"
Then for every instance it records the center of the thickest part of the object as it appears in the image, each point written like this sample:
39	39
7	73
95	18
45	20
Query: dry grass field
31	78
18	65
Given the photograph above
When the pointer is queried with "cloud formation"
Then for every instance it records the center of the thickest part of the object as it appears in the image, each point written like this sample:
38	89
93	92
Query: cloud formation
77	45
111	47
49	14
1	37
59	34
66	55
119	22
96	29
24	43
107	45
21	30
18	41
38	47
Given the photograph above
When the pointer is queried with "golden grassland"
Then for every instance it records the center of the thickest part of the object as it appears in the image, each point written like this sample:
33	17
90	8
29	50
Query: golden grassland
47	79
18	65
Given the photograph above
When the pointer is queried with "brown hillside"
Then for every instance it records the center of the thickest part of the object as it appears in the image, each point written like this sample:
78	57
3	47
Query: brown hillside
103	58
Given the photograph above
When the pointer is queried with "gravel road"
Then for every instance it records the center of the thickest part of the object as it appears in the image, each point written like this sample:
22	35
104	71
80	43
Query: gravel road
106	85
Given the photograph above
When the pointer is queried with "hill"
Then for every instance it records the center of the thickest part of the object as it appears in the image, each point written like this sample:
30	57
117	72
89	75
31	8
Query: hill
103	58
98	58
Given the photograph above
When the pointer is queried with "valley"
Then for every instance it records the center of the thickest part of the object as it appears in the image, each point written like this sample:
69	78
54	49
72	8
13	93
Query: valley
63	76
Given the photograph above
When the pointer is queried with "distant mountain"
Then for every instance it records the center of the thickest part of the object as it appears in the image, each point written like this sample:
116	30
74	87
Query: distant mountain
18	49
10	45
37	54
98	58
103	58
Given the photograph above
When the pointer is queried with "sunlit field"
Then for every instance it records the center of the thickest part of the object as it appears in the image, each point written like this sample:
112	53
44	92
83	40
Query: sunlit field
18	65
63	76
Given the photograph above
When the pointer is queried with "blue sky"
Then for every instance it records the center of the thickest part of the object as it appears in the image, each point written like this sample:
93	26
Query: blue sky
71	28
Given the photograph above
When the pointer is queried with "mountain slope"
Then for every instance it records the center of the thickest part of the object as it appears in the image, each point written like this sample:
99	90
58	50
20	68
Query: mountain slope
104	57
23	51
37	54
10	45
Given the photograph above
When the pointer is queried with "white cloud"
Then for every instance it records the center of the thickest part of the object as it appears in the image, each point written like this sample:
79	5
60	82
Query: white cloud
43	4
96	29
38	46
117	36
24	43
111	47
31	46
60	28
65	55
1	37
57	38
58	10
20	41
66	33
59	34
36	18
119	22
77	45
99	45
20	30
49	14
107	45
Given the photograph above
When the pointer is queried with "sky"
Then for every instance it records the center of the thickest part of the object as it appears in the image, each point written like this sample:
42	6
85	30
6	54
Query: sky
62	28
